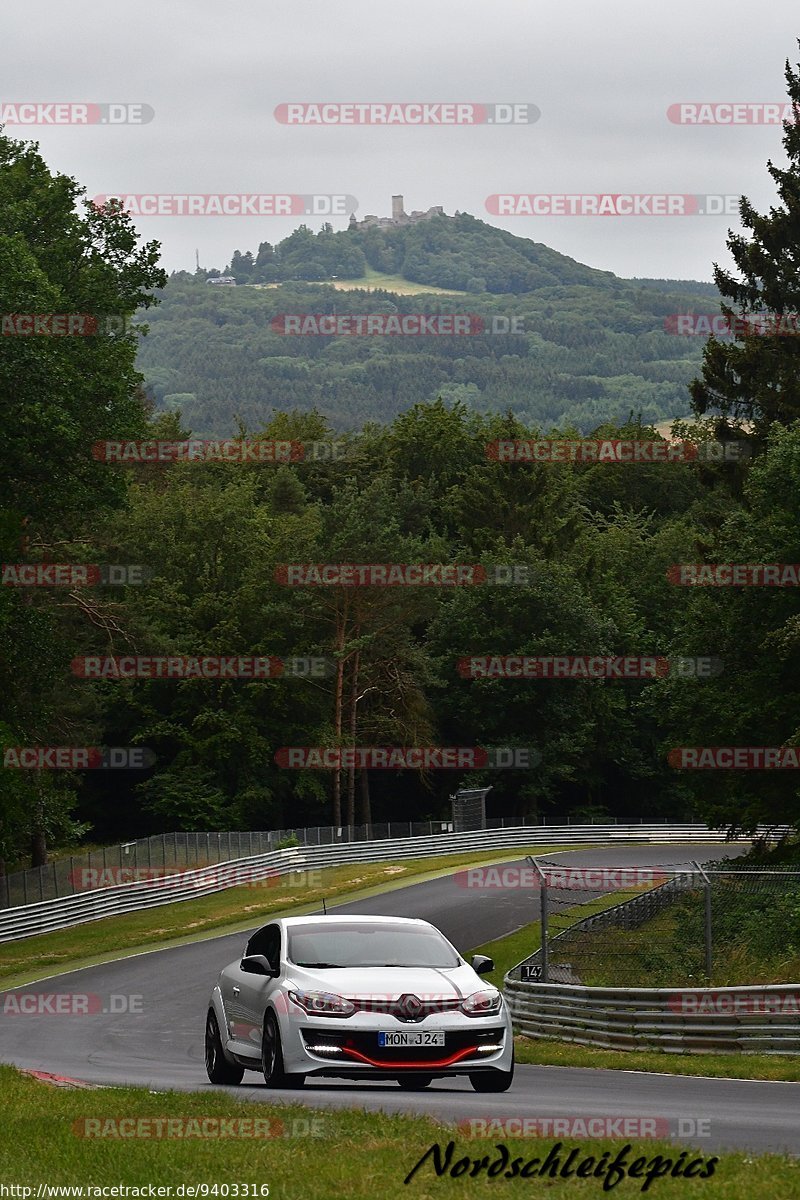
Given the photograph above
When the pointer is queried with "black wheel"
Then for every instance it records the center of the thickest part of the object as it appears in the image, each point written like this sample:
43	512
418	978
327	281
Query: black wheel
414	1083
218	1069
272	1058
492	1081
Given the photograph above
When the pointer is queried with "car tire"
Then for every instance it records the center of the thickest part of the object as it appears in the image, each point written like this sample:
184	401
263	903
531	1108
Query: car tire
414	1083
275	1075
218	1069
492	1081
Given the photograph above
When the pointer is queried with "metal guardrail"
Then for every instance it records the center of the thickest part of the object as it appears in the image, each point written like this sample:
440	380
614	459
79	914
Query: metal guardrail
28	920
756	1019
628	914
76	872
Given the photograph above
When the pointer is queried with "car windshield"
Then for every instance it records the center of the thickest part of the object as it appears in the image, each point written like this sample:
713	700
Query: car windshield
334	945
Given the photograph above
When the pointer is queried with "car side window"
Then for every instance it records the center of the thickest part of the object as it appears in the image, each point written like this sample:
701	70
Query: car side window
267	942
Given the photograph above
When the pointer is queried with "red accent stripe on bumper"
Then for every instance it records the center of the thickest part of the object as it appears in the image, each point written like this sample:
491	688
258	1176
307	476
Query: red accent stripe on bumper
440	1062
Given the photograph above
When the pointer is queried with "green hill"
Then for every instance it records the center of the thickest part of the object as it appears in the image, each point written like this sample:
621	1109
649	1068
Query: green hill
588	347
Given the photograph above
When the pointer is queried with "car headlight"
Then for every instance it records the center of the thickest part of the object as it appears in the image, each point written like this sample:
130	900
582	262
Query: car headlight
323	1004
481	1004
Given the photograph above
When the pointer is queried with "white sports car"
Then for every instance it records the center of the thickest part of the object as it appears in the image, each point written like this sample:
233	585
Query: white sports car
357	998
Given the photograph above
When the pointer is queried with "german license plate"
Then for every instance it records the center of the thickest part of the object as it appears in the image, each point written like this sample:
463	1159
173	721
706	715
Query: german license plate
415	1037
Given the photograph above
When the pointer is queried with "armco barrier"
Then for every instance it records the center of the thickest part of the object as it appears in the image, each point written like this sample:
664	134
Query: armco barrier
755	1019
30	919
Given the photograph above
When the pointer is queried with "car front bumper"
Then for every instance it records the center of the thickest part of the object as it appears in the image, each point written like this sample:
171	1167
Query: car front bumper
349	1048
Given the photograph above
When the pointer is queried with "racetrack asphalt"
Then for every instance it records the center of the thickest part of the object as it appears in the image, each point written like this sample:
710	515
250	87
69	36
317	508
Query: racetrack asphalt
152	1034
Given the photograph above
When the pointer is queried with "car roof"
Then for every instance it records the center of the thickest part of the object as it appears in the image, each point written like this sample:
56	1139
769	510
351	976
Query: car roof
349	918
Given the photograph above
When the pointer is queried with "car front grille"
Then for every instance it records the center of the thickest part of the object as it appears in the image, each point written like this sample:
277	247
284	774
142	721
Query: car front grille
408	1009
362	1047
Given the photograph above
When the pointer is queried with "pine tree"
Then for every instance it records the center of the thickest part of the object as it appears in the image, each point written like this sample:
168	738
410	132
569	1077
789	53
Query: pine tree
756	376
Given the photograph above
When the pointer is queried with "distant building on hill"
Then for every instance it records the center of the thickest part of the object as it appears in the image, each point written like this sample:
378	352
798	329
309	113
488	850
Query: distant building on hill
398	218
228	280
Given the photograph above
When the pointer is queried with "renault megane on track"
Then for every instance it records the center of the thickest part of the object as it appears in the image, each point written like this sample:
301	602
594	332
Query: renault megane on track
357	998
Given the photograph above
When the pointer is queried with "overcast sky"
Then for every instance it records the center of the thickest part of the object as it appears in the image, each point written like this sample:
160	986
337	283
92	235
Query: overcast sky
603	76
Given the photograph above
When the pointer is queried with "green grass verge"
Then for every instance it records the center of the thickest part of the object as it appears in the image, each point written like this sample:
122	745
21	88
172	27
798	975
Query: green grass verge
774	1067
514	947
353	1154
233	910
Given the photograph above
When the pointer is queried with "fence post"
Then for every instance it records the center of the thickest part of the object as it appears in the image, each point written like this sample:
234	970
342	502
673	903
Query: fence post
708	927
543	918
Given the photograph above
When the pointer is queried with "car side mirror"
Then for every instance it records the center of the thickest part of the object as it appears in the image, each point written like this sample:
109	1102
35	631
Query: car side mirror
482	964
257	964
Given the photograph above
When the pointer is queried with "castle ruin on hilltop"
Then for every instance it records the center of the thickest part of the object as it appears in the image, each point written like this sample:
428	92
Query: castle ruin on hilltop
398	218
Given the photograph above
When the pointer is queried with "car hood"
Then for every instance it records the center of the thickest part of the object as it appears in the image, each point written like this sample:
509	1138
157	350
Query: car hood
389	983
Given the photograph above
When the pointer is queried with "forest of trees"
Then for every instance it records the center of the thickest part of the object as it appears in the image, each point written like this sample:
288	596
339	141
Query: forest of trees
585	352
414	487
